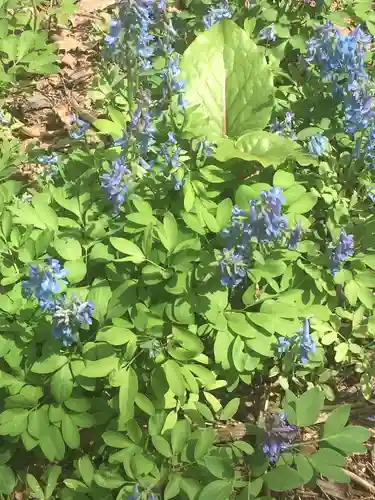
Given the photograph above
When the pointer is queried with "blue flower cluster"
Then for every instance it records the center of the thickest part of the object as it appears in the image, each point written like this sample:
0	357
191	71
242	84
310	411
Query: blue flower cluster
116	184
78	127
285	127
136	19
343	250
278	438
172	84
341	59
268	33
216	14
264	222
370	147
305	341
44	284
318	145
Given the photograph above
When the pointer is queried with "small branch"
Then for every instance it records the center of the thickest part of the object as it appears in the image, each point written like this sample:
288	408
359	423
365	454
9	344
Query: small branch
360	481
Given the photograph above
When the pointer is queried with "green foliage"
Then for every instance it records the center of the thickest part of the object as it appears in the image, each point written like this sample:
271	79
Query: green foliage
154	392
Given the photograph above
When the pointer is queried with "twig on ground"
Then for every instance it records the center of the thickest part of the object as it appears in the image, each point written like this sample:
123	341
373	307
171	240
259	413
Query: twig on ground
360	481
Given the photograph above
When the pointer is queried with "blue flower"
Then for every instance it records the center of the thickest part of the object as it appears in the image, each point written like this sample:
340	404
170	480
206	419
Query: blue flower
285	127
370	147
216	13
268	33
44	283
79	127
295	237
233	267
307	343
114	30
344	249
172	84
283	345
115	184
278	437
48	159
204	148
318	145
170	153
69	315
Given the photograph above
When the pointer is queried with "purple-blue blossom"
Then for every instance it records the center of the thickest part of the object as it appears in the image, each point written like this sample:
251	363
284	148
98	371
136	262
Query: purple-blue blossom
307	343
172	84
295	237
78	127
370	147
278	437
116	184
216	13
284	127
233	267
318	145
343	250
114	30
44	283
69	315
268	33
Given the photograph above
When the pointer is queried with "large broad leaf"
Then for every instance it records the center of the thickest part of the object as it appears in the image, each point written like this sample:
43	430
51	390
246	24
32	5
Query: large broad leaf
259	145
227	76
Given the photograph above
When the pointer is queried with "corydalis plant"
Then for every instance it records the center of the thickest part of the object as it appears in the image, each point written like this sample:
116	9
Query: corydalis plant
305	342
44	284
263	223
343	250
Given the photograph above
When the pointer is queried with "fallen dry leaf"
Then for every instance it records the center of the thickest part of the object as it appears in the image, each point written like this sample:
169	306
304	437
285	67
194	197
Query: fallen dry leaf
87	6
69	60
64	113
68	43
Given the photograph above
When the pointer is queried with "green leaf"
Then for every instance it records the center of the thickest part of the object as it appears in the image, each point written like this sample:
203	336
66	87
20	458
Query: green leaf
70	432
336	420
127	394
308	407
62	384
108	127
128	248
34	486
204	443
68	248
100	367
52	476
283	478
86	469
283	179
52	444
7	480
349	439
77	270
218	490
38	421
261	146
224	212
329	463
162	446
227	76
49	364
304	204
304	468
115	439
180	435
100	295
230	409
174	378
108	478
144	404
172	488
115	335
